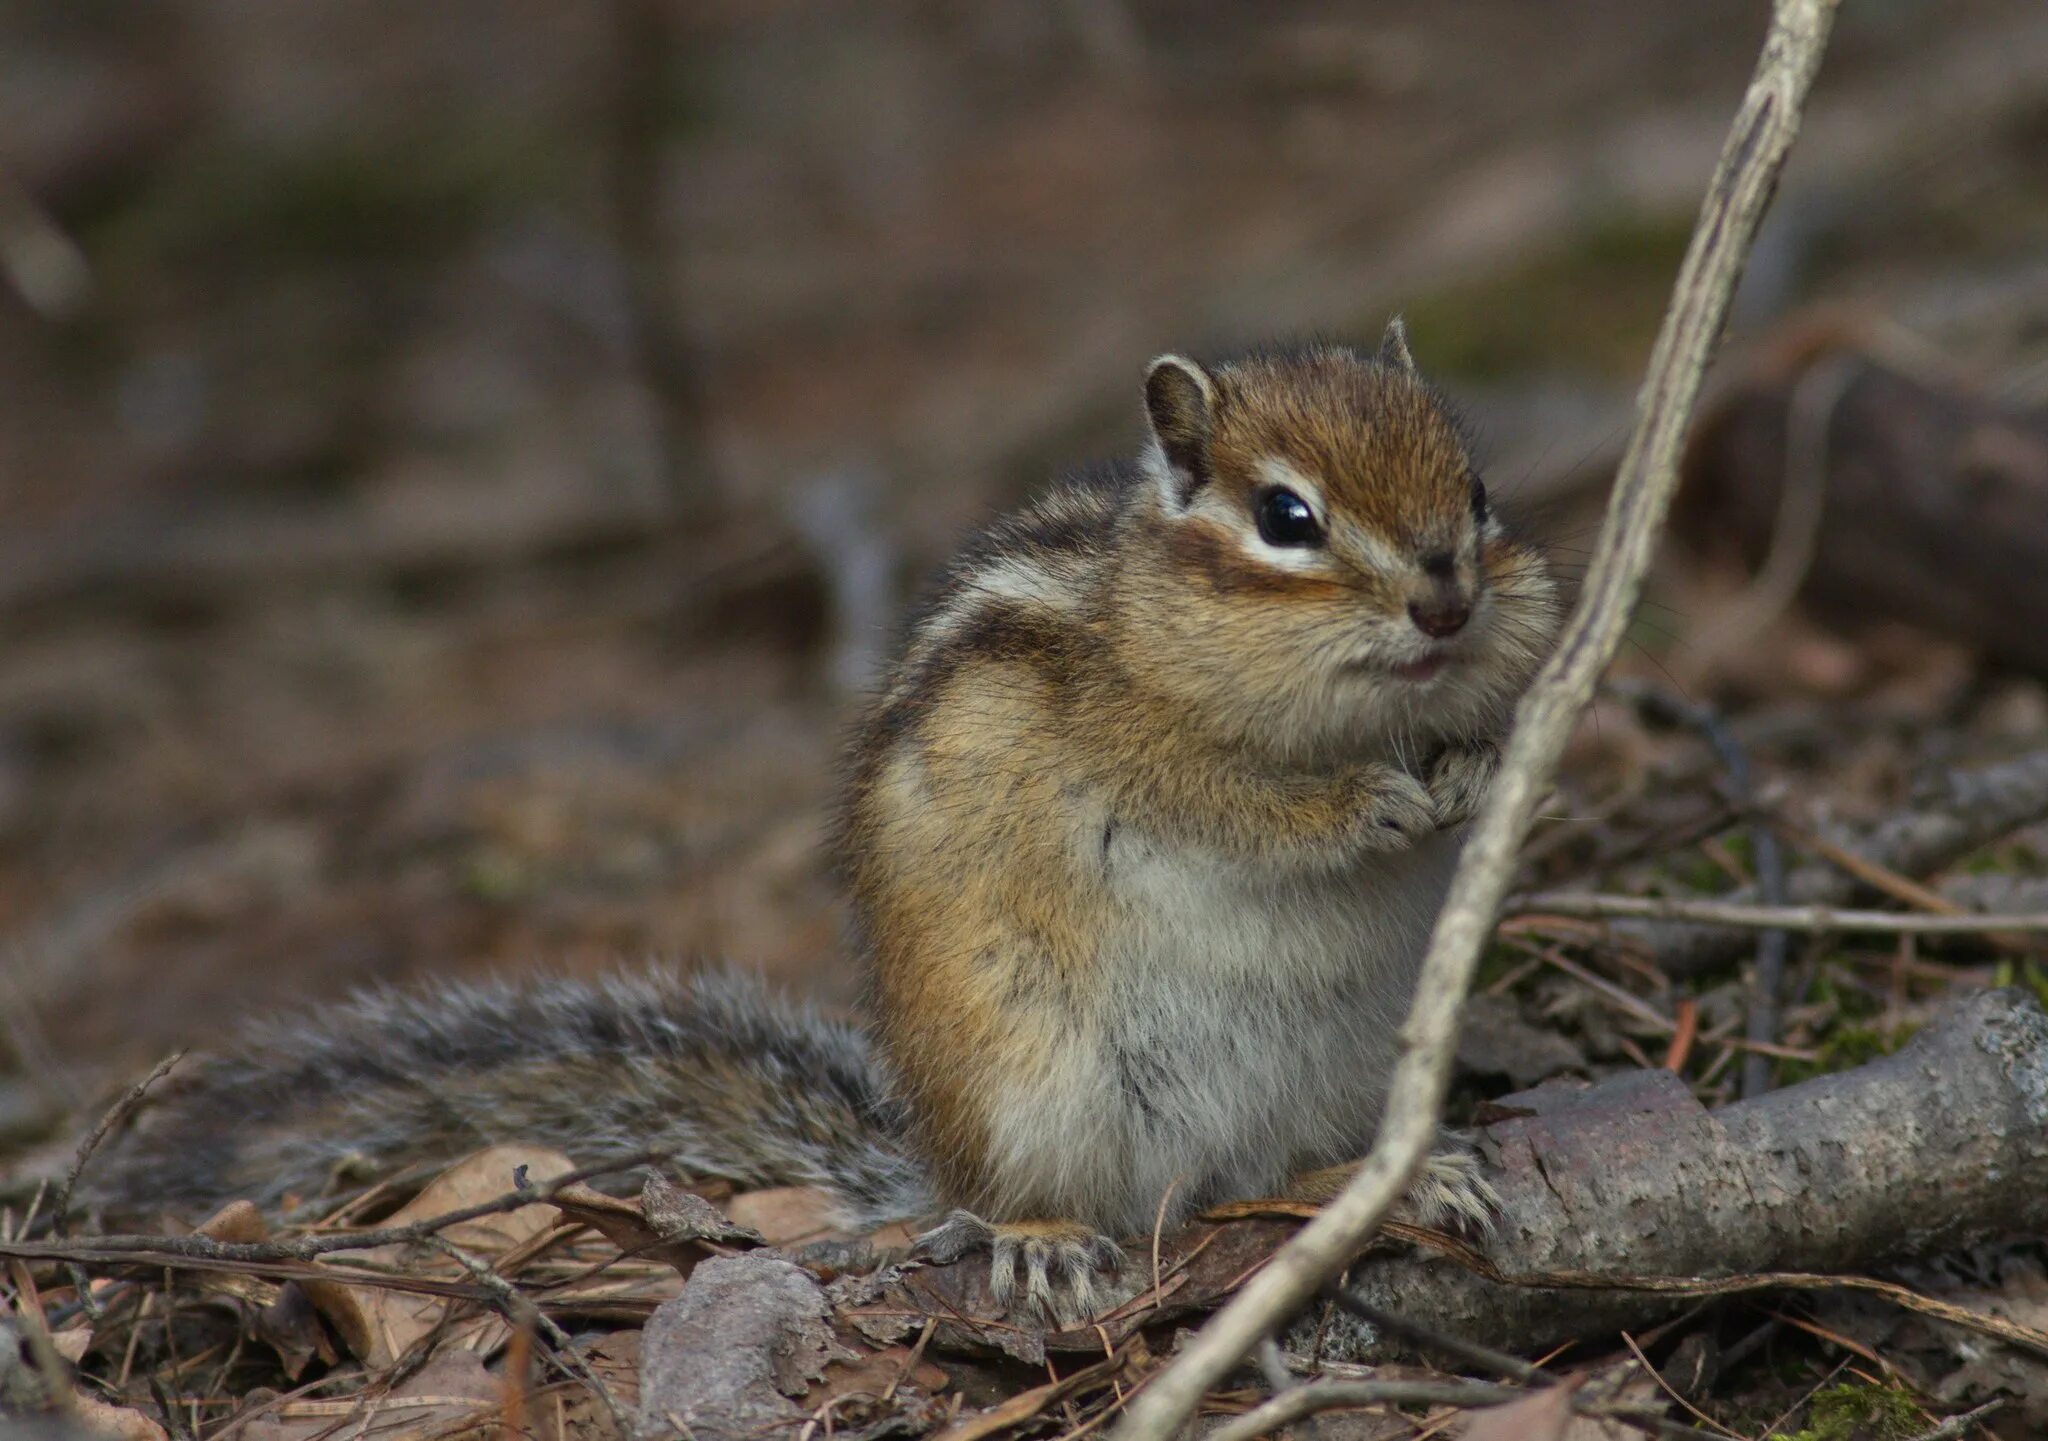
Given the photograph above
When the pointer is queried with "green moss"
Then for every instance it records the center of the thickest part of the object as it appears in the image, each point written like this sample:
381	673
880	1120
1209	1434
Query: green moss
1698	874
1861	1413
1593	304
2014	858
2029	974
493	876
1498	960
1845	1003
1846	1047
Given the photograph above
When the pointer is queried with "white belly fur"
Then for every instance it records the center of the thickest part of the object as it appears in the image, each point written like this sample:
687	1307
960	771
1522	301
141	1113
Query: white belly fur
1249	1032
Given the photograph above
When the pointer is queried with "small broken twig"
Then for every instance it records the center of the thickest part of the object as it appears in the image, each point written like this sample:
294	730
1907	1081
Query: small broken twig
1960	1425
1589	905
115	1115
518	1309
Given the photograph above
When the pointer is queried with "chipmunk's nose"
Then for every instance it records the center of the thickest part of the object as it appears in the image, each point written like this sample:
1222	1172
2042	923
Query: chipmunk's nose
1443	611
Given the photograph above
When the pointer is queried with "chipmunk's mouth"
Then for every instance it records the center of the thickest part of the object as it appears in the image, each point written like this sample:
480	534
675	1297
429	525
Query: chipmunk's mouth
1425	668
1418	670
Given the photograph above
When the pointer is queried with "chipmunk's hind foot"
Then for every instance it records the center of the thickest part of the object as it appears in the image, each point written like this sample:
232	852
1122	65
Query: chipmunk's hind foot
1053	1270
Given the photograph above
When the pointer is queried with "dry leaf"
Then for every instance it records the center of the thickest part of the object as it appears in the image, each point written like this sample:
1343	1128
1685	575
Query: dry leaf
680	1215
622	1223
786	1215
236	1223
379	1325
449	1390
872	1374
291	1327
72	1342
1542	1416
116	1423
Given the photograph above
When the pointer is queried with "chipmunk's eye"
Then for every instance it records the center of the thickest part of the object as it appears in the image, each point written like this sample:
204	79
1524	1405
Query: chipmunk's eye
1478	499
1285	519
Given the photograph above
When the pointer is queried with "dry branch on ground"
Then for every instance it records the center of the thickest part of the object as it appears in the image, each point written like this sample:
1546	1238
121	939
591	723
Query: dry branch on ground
1956	812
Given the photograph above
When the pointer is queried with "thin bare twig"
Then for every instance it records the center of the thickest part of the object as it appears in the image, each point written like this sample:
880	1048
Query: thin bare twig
1741	189
1960	811
1586	904
115	1115
1273	1365
1959	1425
1672	1391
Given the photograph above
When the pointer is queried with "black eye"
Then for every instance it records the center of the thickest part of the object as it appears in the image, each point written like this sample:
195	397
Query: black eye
1285	519
1478	499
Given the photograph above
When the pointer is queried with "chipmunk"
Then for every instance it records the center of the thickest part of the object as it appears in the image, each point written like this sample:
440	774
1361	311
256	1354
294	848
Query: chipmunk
1145	833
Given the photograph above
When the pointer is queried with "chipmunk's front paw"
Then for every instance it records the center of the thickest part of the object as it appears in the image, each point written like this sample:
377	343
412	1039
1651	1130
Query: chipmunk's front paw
1451	1194
1459	779
1394	810
1051	1268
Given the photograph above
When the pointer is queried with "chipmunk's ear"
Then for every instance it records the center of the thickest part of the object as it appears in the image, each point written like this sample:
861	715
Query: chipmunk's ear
1180	398
1394	353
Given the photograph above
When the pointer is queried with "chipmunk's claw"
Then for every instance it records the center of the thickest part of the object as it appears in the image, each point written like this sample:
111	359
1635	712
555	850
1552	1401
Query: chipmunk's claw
1050	1270
1451	1194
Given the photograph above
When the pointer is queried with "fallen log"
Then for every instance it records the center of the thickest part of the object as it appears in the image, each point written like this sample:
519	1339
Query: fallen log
1942	1145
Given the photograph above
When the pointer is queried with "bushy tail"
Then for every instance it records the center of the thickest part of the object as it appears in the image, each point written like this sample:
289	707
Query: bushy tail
728	1079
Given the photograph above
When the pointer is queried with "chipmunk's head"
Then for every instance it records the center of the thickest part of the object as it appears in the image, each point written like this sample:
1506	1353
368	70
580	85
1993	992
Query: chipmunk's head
1330	569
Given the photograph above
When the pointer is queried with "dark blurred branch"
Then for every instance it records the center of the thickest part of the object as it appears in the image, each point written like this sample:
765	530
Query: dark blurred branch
643	67
43	263
1912	497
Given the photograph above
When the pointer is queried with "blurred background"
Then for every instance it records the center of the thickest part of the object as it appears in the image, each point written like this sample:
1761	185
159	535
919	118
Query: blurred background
459	460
